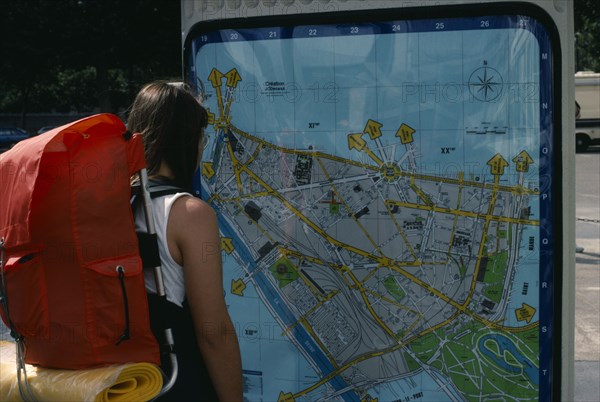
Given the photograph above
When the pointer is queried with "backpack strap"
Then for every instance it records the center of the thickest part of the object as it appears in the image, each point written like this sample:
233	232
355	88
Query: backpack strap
161	186
148	244
158	187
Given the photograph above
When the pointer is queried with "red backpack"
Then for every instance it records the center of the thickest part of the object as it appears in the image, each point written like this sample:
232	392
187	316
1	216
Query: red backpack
73	283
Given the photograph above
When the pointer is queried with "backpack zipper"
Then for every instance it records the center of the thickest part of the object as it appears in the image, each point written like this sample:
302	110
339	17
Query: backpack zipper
126	335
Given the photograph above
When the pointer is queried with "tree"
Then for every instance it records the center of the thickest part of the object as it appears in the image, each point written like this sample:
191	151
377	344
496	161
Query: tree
29	62
84	55
93	55
587	35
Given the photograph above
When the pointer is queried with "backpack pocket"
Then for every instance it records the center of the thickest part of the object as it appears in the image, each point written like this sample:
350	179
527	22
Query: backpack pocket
115	300
26	295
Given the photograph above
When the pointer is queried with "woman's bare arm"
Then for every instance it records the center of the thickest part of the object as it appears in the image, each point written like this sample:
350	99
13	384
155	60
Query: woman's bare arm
195	242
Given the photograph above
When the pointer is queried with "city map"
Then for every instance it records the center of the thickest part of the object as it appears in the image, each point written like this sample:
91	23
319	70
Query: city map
379	204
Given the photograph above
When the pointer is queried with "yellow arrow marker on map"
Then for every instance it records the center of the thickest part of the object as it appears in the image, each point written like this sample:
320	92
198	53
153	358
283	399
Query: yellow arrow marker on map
210	117
373	128
285	397
405	133
523	160
497	164
207	170
215	78
355	141
227	244
525	313
237	287
233	77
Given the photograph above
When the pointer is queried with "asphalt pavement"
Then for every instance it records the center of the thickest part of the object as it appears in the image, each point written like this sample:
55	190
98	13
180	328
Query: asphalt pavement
587	277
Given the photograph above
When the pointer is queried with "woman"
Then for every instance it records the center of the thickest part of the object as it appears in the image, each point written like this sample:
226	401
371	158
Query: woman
172	124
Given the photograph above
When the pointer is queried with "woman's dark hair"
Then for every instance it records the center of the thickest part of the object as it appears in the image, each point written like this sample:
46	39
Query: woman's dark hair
171	122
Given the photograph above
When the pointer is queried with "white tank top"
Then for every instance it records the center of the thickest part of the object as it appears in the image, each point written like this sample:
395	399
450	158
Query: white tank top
171	271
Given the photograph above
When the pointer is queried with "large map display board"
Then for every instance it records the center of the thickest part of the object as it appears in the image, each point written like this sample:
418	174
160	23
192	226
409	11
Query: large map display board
384	196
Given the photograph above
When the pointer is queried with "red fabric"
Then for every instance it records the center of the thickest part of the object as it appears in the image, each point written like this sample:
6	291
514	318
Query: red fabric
67	223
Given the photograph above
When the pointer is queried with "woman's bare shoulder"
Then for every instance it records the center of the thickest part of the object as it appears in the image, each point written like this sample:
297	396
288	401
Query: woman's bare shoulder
192	205
189	212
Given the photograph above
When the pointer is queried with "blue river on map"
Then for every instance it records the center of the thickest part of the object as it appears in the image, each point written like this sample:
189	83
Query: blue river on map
283	313
525	284
505	344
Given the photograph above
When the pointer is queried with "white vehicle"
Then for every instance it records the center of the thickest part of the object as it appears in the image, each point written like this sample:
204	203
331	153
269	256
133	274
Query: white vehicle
587	96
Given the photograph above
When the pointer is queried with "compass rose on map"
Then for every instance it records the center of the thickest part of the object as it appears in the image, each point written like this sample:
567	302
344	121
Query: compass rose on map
485	83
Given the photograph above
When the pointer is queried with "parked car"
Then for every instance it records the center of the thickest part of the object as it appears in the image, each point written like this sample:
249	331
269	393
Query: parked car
9	136
45	128
587	110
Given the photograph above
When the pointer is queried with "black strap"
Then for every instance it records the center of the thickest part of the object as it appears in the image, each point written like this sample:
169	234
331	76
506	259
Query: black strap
158	187
126	331
4	296
148	244
193	377
148	248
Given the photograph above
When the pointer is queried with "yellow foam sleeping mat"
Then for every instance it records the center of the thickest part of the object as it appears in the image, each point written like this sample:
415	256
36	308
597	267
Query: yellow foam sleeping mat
118	383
